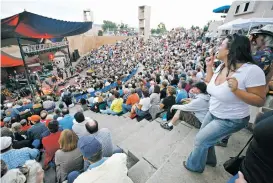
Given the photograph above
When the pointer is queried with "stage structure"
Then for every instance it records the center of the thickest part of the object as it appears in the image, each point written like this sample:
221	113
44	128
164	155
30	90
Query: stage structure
27	25
38	49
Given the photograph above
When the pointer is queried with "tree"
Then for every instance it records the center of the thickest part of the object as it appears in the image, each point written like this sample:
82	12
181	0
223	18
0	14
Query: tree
161	28
154	31
108	25
100	33
206	27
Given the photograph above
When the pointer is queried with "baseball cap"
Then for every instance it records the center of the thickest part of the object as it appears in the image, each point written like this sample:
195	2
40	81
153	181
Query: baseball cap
7	119
34	118
5	142
89	146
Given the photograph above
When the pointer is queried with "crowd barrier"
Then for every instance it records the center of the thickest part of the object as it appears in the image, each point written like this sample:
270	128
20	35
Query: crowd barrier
107	88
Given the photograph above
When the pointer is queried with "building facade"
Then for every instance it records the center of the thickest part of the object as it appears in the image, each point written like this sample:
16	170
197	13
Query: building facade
250	9
144	17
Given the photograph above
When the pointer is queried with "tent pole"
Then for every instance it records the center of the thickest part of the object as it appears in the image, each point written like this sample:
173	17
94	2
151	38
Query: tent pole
26	68
249	29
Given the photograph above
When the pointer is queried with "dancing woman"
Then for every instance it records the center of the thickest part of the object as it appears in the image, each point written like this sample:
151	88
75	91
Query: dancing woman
236	84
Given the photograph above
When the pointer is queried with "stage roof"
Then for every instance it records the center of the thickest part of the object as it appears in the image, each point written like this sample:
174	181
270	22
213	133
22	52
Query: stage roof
30	25
10	61
222	9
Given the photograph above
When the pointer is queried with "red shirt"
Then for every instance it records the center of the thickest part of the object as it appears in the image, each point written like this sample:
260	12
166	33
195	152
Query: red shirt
51	145
25	128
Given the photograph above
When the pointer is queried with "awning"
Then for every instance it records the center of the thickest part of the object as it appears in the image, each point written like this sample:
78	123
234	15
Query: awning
252	22
10	61
30	25
230	25
222	9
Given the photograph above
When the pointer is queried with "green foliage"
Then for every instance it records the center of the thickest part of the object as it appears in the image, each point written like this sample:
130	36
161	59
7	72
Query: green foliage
100	33
108	25
161	28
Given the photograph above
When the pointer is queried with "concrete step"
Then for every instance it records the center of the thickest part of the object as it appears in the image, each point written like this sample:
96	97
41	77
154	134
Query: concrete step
107	121
173	170
141	171
145	138
162	149
127	130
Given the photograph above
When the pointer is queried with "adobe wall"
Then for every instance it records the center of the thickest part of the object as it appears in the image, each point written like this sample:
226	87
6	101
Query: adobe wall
85	43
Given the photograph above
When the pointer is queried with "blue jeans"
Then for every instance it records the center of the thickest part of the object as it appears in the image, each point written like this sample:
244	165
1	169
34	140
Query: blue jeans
212	130
232	179
108	111
126	108
72	176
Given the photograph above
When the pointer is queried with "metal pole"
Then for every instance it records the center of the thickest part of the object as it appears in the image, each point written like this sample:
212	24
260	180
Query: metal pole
249	28
69	53
26	67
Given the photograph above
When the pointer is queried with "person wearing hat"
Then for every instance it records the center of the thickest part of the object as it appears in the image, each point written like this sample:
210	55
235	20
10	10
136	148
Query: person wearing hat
194	111
15	157
36	130
112	169
91	149
50	142
13	175
262	49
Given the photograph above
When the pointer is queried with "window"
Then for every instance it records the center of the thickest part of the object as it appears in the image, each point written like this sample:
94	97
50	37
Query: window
237	9
246	7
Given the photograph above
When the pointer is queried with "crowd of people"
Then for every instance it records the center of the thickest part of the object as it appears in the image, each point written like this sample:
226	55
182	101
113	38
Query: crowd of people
182	76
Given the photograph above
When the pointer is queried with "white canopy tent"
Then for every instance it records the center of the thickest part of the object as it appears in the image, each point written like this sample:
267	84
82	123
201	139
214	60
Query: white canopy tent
252	22
230	25
246	24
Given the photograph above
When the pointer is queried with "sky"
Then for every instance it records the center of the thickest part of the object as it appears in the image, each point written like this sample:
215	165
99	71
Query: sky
173	13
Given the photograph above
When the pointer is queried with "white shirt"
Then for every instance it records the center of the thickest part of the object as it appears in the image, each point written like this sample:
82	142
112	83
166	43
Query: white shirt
199	75
145	102
225	104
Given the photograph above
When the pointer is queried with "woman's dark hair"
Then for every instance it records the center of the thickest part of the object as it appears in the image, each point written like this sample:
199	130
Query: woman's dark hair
183	84
156	89
201	86
83	101
116	94
239	51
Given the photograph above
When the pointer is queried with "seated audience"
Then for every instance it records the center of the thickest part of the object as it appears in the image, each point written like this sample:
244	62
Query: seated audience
79	124
133	98
103	136
68	158
194	111
116	105
67	121
50	143
181	92
142	108
37	129
15	157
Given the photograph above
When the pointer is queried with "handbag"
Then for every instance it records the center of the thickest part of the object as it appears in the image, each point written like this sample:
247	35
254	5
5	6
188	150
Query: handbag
232	165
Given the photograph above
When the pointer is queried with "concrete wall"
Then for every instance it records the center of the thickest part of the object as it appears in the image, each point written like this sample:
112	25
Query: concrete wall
257	9
213	27
85	43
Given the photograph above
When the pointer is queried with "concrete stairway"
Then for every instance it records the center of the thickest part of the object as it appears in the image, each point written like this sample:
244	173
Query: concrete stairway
158	154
